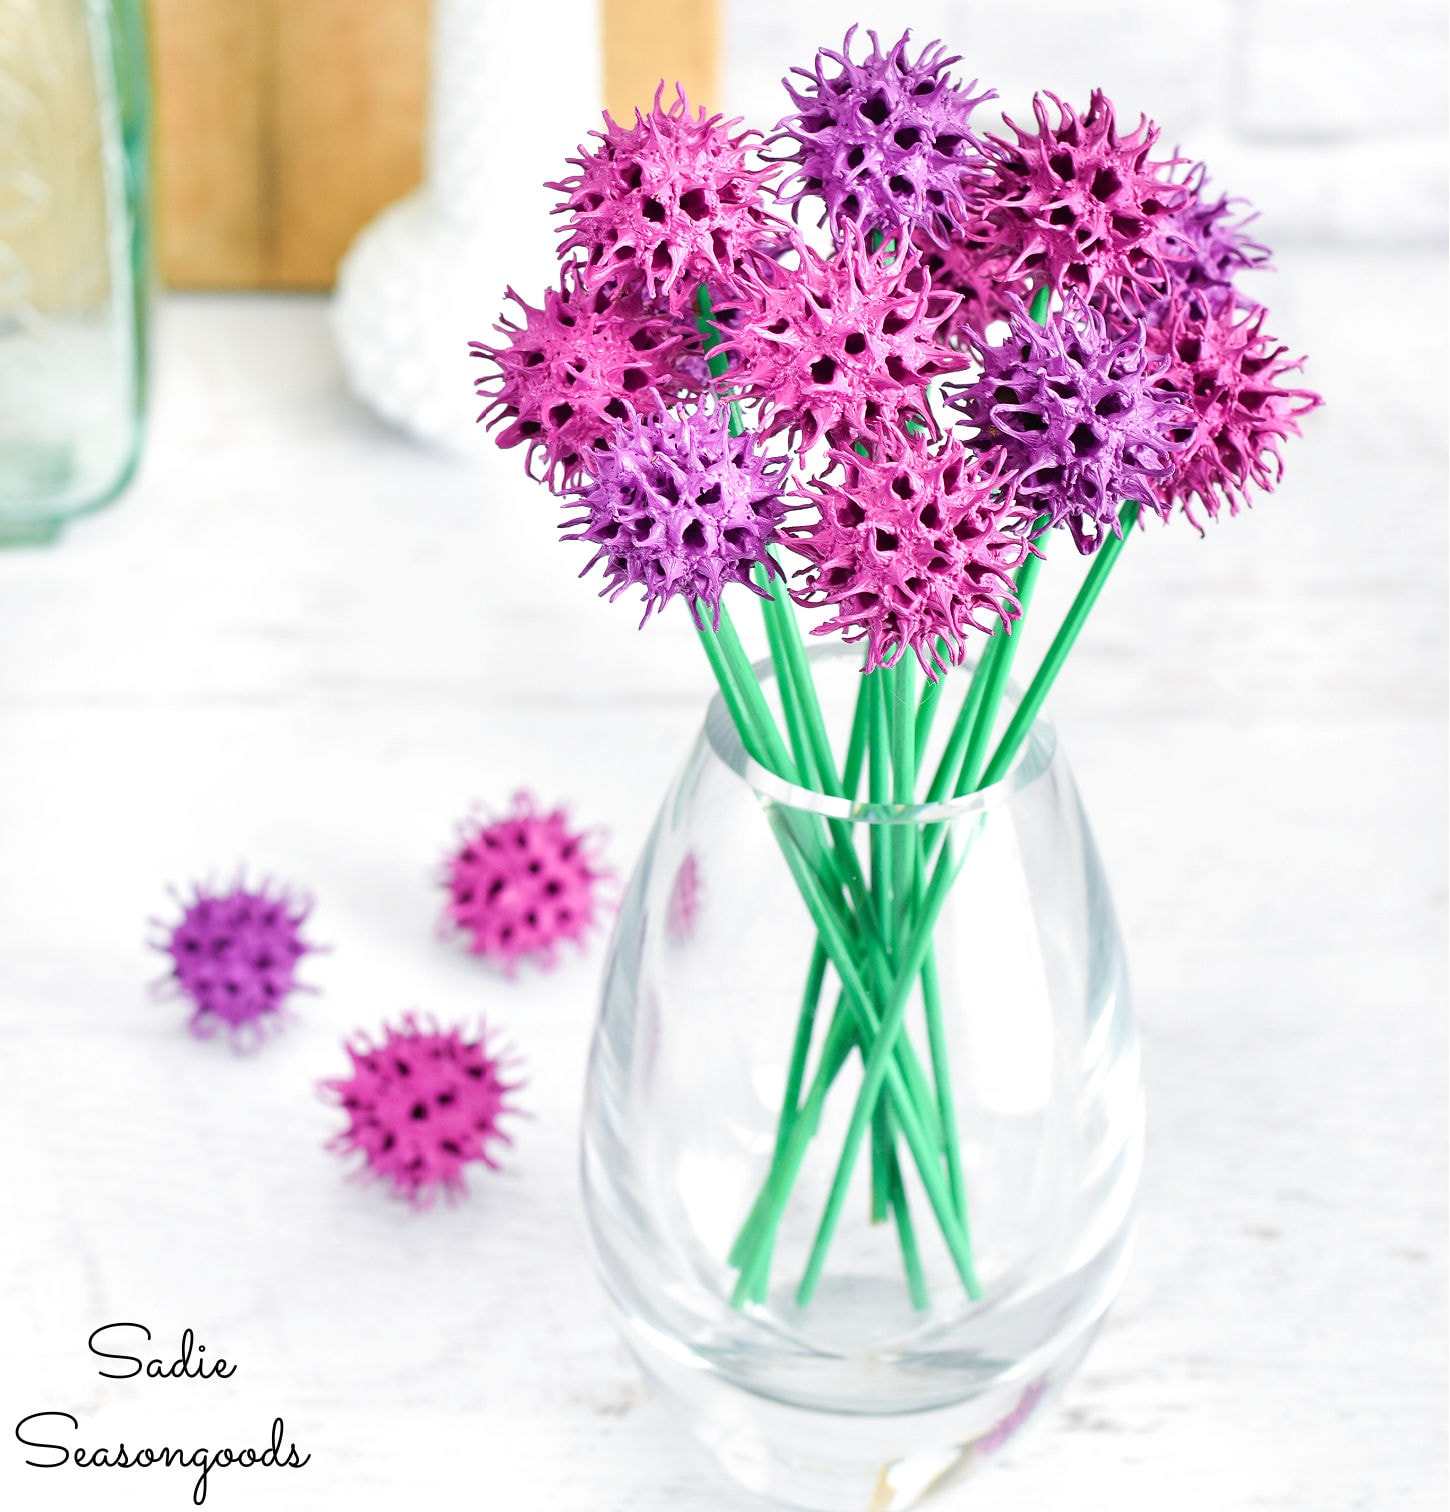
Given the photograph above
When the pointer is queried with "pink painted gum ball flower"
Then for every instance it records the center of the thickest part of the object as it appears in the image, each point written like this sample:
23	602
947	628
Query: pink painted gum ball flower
680	508
844	346
1081	417
421	1106
588	359
914	545
885	143
966	266
234	956
1076	205
519	885
1229	372
668	203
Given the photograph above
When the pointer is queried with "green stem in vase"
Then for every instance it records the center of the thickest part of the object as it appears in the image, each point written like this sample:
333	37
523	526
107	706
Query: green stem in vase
879	791
881	1070
906	1232
1046	675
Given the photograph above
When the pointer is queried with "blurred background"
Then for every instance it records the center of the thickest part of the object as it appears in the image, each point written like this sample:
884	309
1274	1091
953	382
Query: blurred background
326	618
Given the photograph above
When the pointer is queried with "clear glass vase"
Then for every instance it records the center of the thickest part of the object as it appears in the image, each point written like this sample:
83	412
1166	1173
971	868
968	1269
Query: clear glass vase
879	1389
75	264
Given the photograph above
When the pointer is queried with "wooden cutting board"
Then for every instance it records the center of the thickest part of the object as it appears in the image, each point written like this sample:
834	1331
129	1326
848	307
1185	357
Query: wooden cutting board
284	126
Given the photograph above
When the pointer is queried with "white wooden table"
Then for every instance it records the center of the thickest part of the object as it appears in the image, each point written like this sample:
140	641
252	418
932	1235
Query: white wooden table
302	644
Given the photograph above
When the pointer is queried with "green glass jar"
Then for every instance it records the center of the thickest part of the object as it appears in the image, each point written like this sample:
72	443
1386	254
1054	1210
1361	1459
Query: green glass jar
75	257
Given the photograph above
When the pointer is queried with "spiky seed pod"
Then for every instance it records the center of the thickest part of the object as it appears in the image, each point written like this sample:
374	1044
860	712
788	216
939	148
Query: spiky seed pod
1204	250
1076	205
1229	372
234	956
680	508
885	143
845	346
913	546
422	1105
589	358
670	202
519	885
964	266
1081	417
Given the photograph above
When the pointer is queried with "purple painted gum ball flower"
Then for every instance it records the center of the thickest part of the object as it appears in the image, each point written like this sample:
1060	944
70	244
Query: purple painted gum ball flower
1081	417
885	143
1077	205
845	346
1229	372
669	203
914	545
234	956
421	1106
520	885
588	359
680	508
1204	249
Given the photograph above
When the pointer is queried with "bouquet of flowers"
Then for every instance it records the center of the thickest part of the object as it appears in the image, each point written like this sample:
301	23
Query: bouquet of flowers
984	341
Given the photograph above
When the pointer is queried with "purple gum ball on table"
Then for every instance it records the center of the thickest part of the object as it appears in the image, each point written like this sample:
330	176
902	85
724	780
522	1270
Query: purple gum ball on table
234	956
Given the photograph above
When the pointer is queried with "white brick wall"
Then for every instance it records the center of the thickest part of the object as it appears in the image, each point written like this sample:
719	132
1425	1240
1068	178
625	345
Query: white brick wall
1328	115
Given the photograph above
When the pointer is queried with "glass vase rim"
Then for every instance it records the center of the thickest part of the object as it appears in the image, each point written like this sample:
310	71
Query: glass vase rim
1035	756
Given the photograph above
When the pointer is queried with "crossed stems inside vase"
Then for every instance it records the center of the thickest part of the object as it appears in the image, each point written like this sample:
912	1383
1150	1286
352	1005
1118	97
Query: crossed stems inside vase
875	926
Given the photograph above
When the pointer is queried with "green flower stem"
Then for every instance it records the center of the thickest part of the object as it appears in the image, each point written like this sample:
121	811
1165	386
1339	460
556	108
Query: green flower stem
710	338
901	689
753	1246
879	791
1062	643
941	1070
790	693
1001	667
906	1231
930	699
856	746
790	1101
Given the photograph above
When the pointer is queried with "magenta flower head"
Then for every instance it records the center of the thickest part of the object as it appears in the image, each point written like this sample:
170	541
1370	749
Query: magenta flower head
234	956
679	507
421	1106
967	266
1228	371
1081	417
913	546
845	346
1076	205
670	202
885	142
1204	249
519	885
574	369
